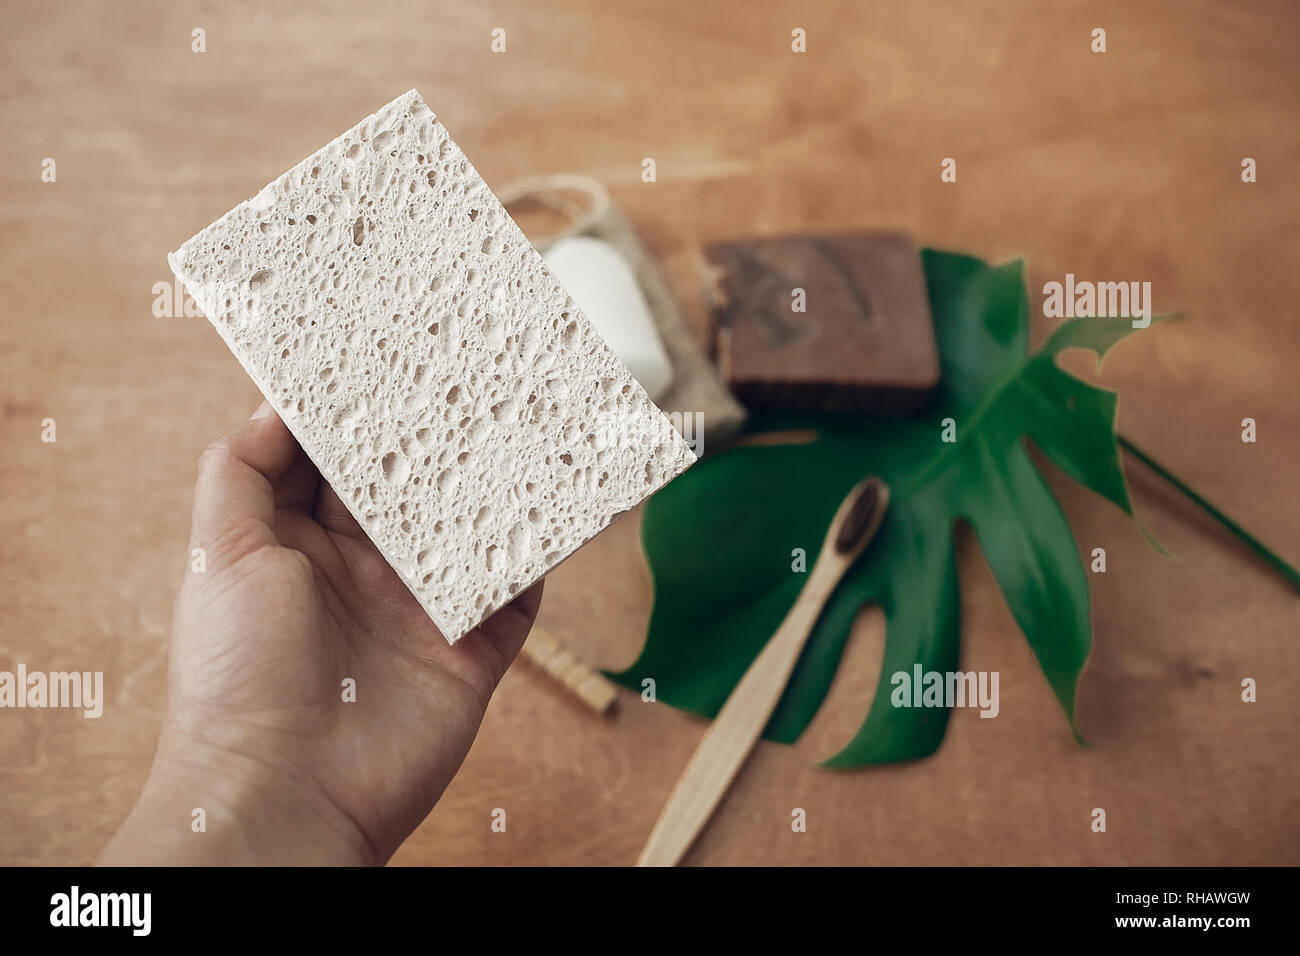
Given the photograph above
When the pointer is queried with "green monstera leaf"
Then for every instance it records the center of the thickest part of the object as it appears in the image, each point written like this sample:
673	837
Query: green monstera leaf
719	539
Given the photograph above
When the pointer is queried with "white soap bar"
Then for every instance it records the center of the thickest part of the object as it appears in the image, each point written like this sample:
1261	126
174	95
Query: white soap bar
606	290
442	380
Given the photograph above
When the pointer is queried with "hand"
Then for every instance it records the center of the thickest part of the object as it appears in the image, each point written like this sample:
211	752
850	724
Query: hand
294	600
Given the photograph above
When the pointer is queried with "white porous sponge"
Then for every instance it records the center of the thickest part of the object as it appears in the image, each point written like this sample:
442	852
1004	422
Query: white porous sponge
438	375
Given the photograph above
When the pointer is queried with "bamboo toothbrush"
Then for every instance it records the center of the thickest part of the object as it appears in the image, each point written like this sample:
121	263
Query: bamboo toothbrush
575	675
738	725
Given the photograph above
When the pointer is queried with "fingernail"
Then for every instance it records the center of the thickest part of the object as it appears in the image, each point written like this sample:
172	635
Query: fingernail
263	411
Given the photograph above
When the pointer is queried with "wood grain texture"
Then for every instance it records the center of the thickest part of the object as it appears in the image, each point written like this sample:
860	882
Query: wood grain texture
1122	166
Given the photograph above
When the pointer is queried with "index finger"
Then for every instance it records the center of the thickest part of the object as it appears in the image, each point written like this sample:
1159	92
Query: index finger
234	494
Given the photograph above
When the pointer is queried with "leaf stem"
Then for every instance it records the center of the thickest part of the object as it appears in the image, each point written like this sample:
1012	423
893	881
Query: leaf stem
1284	570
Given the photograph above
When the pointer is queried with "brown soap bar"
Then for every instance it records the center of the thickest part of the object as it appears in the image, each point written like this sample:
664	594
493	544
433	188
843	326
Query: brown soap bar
865	342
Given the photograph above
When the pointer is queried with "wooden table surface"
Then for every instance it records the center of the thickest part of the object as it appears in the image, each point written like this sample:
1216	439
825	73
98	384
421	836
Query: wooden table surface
1117	166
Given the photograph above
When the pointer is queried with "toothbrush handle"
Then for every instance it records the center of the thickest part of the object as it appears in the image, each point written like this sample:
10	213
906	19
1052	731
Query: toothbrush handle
575	675
733	733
